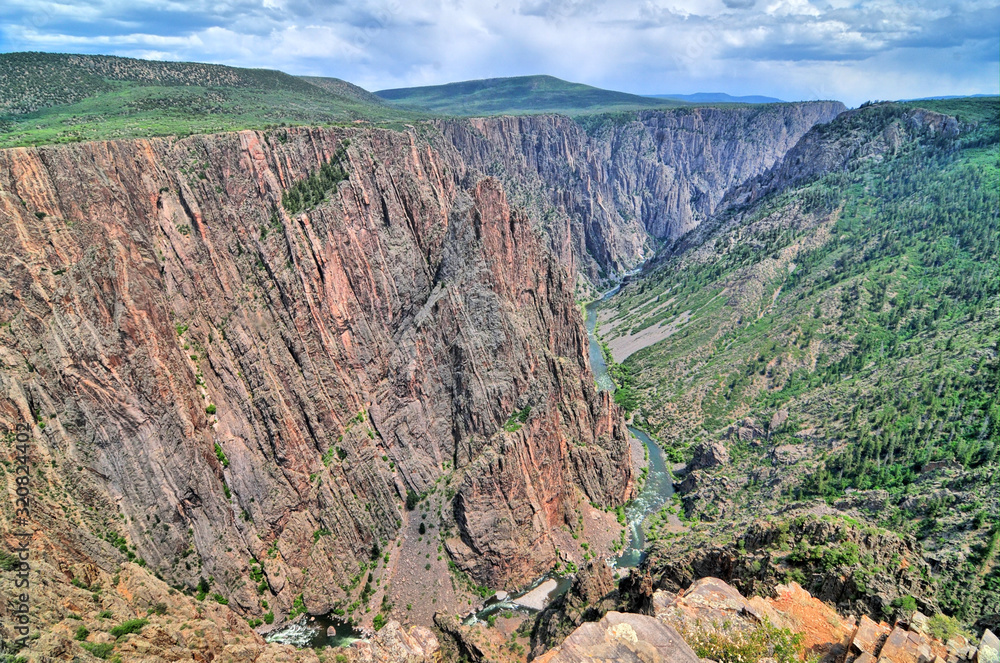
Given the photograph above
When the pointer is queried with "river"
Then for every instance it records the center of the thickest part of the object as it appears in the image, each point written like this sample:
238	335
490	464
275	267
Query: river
656	491
659	486
312	632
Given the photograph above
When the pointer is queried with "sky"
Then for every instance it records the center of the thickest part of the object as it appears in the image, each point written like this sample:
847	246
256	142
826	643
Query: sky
848	50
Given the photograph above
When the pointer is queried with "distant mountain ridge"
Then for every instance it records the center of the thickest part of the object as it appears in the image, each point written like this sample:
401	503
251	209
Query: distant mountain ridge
518	94
945	97
719	98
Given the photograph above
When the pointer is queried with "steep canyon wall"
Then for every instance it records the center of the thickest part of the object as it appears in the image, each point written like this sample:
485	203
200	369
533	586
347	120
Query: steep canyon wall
608	187
214	381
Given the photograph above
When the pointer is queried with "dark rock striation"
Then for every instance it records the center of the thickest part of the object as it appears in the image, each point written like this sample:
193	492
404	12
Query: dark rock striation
245	386
609	187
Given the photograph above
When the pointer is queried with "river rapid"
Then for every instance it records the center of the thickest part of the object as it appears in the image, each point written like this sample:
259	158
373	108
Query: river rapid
659	486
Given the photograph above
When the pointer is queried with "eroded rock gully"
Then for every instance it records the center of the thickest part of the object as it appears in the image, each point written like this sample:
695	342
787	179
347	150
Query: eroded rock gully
215	381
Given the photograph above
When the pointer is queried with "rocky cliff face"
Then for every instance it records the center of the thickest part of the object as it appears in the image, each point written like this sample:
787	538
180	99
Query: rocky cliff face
608	187
858	136
232	393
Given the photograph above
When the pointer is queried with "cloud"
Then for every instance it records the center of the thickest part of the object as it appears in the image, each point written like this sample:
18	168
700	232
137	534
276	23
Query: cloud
847	49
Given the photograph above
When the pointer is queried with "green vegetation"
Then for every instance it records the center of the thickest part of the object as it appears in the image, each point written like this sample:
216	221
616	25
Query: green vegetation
8	561
944	628
898	305
518	95
517	419
100	650
221	455
126	627
864	304
81	633
905	604
55	98
202	589
313	190
727	643
298	607
625	393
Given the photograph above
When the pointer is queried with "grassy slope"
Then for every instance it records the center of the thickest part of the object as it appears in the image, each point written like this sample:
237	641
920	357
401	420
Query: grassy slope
522	94
343	88
51	98
866	304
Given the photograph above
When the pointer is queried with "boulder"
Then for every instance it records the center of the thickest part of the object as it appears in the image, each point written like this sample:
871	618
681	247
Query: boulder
690	484
989	648
625	637
708	454
780	417
869	636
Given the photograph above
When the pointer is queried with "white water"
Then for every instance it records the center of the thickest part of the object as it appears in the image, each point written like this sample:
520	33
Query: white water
659	486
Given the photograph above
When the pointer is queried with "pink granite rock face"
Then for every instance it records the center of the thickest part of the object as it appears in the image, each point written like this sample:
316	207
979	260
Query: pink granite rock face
248	386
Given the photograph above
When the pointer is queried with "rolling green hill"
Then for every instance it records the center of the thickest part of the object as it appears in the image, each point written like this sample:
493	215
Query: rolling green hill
841	337
521	94
342	88
55	98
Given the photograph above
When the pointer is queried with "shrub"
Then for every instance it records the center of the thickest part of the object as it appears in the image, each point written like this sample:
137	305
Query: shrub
726	643
130	626
81	633
298	607
379	622
943	627
211	409
904	604
269	618
8	562
411	500
100	650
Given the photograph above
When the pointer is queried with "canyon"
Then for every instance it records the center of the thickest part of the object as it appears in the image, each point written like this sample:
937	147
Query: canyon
377	406
228	388
610	189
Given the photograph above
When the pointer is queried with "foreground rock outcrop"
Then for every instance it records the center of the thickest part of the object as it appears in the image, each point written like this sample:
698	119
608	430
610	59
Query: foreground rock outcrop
858	569
623	637
711	619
